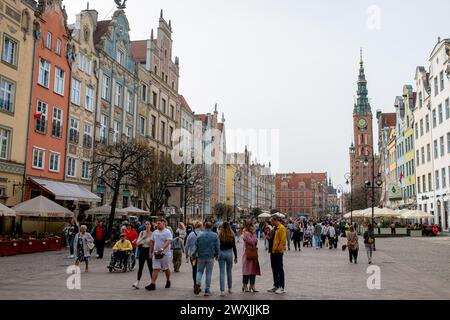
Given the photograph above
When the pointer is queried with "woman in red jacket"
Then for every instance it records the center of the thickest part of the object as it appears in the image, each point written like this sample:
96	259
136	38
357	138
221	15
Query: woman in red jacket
132	236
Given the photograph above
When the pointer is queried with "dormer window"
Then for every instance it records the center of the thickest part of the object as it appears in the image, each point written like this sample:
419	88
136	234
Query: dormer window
120	56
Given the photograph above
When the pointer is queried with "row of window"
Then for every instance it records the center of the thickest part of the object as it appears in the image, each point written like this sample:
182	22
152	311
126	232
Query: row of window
44	77
49	44
163	104
75	96
440	180
119	95
54	163
117	128
439	114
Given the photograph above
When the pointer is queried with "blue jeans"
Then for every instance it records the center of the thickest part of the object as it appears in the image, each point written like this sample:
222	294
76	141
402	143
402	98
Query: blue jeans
226	261
318	241
203	264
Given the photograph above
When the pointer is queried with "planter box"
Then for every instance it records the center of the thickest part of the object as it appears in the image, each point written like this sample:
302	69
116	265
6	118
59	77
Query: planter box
27	246
385	231
401	231
55	244
43	245
416	233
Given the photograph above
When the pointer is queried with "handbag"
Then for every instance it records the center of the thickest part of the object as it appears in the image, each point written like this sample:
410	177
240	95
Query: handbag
159	255
252	253
90	245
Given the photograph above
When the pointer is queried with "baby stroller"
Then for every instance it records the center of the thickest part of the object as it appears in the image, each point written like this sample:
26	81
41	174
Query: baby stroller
307	239
122	261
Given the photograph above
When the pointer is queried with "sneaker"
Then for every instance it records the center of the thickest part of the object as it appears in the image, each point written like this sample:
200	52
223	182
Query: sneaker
222	293
280	291
207	293
136	285
151	287
71	256
167	285
197	289
273	290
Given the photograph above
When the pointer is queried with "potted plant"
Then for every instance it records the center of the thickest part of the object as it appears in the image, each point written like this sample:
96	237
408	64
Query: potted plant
28	245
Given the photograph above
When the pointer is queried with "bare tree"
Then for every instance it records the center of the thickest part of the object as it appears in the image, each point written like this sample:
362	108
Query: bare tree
361	198
117	166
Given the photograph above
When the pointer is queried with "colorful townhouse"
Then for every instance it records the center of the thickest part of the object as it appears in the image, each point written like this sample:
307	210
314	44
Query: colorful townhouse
48	117
400	144
409	194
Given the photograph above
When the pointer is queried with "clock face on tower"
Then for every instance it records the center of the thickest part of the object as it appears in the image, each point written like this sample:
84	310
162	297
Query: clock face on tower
362	123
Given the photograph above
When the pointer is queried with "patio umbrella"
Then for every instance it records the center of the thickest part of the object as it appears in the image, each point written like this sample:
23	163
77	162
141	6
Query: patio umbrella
106	210
134	210
42	207
381	213
264	215
417	214
6	212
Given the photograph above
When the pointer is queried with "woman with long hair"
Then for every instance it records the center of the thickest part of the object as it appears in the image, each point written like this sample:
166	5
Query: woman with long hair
250	263
227	249
352	244
143	243
181	231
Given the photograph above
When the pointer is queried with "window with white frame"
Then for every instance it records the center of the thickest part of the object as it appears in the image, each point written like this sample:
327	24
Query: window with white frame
144	93
9	53
448	142
57	122
437	180
116	128
163	106
48	41
74	131
440	114
71	167
88	66
54	162
441	140
85	170
441	79
120	56
128	133
436	149
38	158
60	77
142	126
81	59
444	178
106	83
162	132
41	117
44	73
76	92
118	101
87	136
434	118
130	102
58	46
103	128
436	86
4	143
7	95
89	104
447	108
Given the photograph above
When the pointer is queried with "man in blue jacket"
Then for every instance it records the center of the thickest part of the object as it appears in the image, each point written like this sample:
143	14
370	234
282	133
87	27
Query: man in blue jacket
206	249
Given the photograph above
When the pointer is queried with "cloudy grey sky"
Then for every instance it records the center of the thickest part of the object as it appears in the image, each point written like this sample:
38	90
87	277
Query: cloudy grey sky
292	65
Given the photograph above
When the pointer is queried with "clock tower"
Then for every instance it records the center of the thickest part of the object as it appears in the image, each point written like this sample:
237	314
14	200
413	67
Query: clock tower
362	146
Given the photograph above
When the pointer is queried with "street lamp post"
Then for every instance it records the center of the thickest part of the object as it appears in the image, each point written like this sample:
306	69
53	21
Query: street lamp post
237	176
371	185
340	191
349	180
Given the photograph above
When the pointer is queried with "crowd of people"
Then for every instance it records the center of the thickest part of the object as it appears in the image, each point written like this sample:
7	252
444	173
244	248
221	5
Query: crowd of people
204	242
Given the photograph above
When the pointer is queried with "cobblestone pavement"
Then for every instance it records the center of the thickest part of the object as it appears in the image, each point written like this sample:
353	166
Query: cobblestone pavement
410	269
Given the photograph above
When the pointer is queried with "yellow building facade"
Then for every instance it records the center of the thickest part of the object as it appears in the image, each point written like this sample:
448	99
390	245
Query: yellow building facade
16	65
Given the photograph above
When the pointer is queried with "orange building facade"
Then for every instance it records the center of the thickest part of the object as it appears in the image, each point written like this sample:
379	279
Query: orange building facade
48	120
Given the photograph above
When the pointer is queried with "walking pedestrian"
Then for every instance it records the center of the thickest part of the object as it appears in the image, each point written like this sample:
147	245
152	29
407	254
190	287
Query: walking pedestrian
227	250
288	236
73	230
182	231
143	243
177	252
267	235
250	263
100	234
352	245
317	235
207	249
277	247
190	249
238	232
161	240
82	246
323	235
331	233
369	241
297	238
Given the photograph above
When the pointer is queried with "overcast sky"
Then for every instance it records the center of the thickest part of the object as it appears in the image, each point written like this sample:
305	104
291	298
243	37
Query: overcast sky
292	65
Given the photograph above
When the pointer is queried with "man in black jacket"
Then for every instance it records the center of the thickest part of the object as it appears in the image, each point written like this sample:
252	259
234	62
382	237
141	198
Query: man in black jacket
101	235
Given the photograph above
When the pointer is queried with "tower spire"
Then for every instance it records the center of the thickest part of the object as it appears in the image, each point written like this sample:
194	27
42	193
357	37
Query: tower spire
362	105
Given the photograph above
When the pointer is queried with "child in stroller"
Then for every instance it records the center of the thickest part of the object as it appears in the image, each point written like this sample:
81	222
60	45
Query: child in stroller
307	238
122	256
